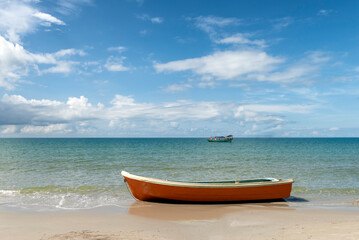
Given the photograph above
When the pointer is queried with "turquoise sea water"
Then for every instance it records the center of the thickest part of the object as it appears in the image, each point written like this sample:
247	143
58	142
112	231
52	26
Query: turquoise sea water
85	173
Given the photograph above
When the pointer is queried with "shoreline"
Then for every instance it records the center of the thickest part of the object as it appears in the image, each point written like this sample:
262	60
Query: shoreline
147	220
293	201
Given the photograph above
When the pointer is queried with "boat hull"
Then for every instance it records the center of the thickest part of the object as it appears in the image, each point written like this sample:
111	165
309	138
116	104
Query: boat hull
227	140
152	191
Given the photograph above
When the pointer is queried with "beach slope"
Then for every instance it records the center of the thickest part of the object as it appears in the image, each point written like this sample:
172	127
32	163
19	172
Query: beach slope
169	221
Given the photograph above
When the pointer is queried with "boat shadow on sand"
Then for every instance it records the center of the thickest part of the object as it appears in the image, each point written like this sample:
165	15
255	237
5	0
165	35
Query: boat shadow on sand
197	211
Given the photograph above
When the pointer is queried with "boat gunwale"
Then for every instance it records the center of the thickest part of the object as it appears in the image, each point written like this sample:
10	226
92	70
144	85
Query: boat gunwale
234	184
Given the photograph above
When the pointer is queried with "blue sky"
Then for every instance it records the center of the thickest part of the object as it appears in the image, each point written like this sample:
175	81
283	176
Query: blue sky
179	68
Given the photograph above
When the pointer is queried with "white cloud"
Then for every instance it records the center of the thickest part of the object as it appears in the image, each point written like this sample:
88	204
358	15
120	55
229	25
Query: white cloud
69	52
207	24
303	71
120	100
146	17
178	87
18	100
278	127
9	129
19	110
16	18
334	129
61	67
68	7
224	65
281	23
324	12
248	114
174	124
115	64
156	20
212	24
48	18
34	130
140	2
143	32
126	108
78	116
16	62
207	83
318	57
289	75
20	17
240	38
119	49
276	108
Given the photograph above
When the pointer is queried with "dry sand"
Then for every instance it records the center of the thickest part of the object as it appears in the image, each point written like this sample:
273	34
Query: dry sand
142	220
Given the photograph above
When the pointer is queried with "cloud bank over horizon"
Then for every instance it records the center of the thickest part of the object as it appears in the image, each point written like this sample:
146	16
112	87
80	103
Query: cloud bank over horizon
123	113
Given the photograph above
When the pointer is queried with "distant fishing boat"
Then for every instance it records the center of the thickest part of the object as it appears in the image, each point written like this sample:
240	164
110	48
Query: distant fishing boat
151	189
229	138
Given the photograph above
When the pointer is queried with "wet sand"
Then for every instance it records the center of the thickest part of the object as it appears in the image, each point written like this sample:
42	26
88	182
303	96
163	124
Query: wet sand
146	221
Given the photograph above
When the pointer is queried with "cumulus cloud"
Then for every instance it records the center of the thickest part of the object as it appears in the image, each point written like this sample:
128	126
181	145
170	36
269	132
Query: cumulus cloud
224	65
77	115
16	62
17	110
19	100
9	129
52	128
20	17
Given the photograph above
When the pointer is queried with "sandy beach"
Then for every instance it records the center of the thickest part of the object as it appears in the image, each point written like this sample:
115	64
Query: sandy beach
143	220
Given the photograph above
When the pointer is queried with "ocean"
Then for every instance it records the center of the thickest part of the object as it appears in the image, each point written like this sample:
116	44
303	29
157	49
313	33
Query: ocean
82	173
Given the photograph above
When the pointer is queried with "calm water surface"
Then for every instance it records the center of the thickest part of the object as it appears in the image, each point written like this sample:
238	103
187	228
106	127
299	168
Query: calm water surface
85	173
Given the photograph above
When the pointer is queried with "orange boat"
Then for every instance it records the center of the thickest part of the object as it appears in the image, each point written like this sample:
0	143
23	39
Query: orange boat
151	189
